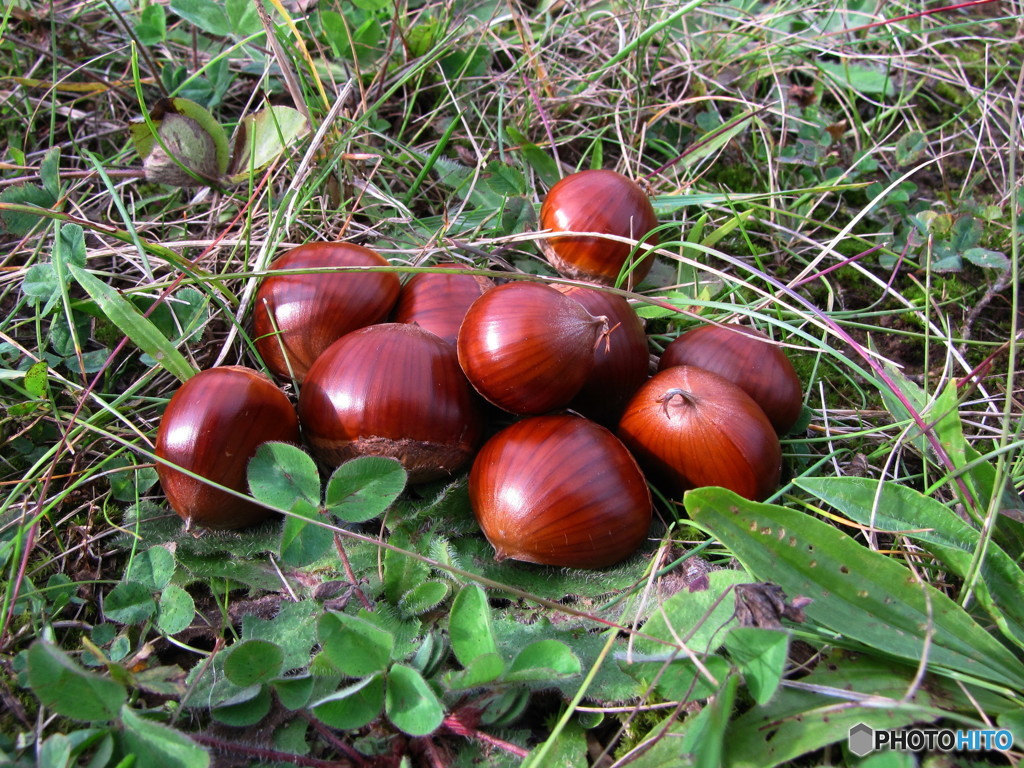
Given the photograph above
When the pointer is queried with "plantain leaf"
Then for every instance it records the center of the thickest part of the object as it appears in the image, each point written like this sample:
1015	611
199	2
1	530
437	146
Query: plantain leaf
857	592
132	323
891	507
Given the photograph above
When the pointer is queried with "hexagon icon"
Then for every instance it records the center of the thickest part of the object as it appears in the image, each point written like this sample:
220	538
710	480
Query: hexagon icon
861	739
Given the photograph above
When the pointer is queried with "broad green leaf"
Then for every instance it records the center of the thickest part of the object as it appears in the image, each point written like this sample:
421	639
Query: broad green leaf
152	568
864	78
211	17
547	659
129	603
354	645
352	707
63	686
861	594
294	692
760	655
983	257
910	148
887	506
148	737
132	323
243	17
280	473
303	542
49	172
248	708
36	379
253	661
194	136
363	488
293	630
678	677
483	669
469	625
41	284
151	29
402	573
542	163
19	223
263	137
176	610
799	721
184	154
410	703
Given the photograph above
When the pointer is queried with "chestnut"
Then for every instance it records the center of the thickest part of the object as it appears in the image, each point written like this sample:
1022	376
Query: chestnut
603	202
297	316
689	428
212	427
621	366
560	490
438	301
392	390
747	358
527	348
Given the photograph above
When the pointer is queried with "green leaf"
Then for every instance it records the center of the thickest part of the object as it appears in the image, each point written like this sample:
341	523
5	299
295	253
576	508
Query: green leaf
129	603
469	625
983	257
540	161
19	223
280	473
151	28
248	708
49	172
147	737
354	645
41	284
363	488
176	610
209	16
761	656
294	692
887	506
856	592
483	669
864	78
402	572
152	568
263	137
411	703
303	542
61	685
132	323
910	148
192	135
55	752
37	378
352	707
423	597
244	18
677	677
253	661
293	629
547	659
799	721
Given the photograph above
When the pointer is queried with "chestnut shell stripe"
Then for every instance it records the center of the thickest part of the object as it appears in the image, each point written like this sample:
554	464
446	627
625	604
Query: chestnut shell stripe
748	359
527	348
312	311
212	426
716	436
438	302
596	201
621	366
560	490
391	390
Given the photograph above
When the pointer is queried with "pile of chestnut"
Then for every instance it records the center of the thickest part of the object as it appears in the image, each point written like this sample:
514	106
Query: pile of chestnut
403	371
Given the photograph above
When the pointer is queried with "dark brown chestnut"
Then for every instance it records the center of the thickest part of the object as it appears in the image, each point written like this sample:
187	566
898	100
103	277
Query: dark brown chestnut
391	390
297	316
212	427
438	301
527	348
560	490
620	366
689	428
747	358
603	202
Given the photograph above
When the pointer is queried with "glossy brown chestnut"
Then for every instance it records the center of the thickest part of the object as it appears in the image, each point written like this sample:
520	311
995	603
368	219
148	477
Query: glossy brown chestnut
297	316
527	348
747	358
438	301
391	390
560	490
603	202
621	366
689	428
212	427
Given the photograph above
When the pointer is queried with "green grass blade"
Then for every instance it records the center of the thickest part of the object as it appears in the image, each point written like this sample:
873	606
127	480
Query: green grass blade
133	323
859	593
